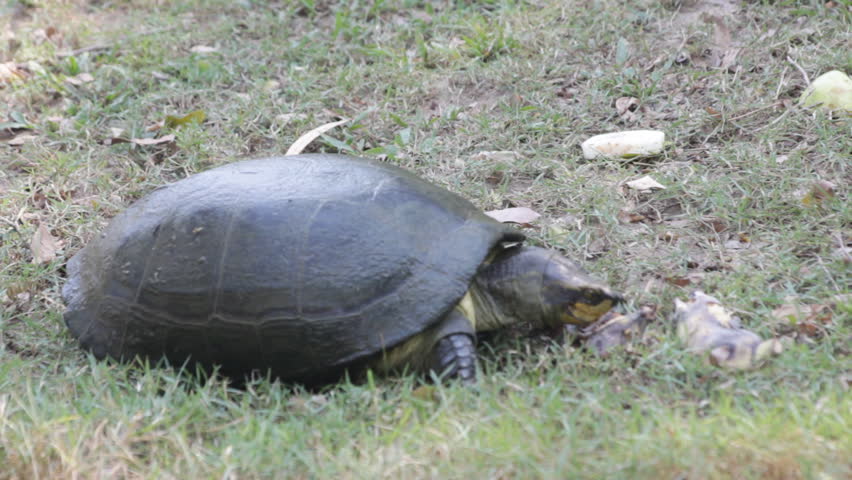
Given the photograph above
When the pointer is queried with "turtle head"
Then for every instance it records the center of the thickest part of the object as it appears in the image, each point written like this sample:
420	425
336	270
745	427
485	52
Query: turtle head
570	295
546	289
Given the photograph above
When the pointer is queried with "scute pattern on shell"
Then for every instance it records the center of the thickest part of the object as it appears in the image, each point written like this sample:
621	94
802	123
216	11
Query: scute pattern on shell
300	265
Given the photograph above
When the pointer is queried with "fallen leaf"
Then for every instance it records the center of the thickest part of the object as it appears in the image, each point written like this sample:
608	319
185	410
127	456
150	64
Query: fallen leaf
819	192
305	140
716	224
155	126
20	140
10	72
44	245
626	105
691	278
80	79
645	183
668	236
597	247
153	141
197	116
39	199
724	53
713	113
625	216
810	319
203	49
495	178
520	215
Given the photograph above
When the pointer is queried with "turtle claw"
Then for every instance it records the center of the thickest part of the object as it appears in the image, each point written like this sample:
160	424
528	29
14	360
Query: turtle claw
454	357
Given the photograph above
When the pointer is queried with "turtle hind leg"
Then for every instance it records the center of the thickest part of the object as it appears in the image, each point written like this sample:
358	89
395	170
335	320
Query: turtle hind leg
454	357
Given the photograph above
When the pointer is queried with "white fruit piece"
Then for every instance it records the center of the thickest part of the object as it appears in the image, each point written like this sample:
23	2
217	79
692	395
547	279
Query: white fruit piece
628	144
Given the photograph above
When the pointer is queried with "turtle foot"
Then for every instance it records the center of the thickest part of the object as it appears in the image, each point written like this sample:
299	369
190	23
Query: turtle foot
454	357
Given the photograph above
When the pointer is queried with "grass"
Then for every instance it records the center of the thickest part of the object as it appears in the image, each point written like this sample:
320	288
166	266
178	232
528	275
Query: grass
429	85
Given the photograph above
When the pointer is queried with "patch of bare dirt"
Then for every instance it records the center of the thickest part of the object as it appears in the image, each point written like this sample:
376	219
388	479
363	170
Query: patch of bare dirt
693	11
463	94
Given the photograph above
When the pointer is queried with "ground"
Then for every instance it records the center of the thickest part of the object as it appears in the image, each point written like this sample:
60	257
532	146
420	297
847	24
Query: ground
755	212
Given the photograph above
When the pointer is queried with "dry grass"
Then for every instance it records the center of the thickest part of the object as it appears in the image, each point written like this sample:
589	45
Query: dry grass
431	84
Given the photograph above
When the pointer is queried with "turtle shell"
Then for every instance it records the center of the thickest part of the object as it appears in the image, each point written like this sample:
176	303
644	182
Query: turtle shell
300	265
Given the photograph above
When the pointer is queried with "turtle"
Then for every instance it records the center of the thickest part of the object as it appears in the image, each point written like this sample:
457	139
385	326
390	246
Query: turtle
308	267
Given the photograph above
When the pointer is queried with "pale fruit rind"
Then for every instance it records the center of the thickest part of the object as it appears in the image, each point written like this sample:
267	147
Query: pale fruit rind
832	90
628	144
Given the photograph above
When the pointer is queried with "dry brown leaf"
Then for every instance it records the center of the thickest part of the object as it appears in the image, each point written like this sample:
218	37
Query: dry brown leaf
520	215
691	278
626	216
153	141
44	245
626	105
819	192
713	113
724	53
809	320
155	126
305	140
714	223
10	72
795	312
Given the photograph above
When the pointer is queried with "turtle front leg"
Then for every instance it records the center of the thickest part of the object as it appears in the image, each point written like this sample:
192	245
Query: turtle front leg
447	349
453	355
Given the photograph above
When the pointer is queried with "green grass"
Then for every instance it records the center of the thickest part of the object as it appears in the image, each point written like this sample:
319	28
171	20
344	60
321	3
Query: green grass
429	84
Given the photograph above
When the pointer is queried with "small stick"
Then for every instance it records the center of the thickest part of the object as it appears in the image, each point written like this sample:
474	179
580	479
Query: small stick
801	70
91	48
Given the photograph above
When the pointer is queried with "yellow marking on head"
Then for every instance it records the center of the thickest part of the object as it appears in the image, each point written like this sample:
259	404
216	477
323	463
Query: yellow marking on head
584	313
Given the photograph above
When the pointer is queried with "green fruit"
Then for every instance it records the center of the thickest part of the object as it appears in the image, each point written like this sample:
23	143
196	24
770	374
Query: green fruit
832	90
